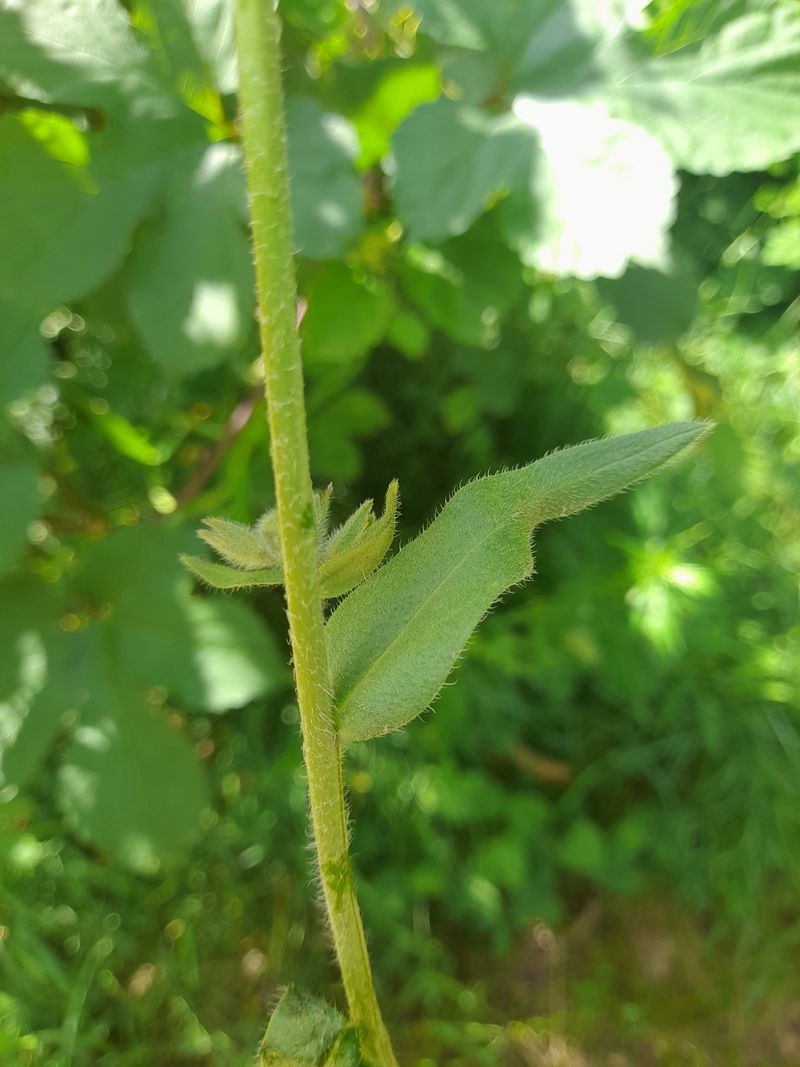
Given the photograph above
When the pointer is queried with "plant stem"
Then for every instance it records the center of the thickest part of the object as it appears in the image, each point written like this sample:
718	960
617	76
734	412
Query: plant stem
264	138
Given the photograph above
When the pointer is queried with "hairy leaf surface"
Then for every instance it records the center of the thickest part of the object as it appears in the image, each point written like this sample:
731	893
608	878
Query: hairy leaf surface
350	561
220	576
301	1031
394	640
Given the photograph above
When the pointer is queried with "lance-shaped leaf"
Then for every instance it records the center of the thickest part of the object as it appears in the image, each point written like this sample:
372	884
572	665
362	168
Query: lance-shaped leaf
351	560
350	531
240	545
347	556
394	640
218	576
322	508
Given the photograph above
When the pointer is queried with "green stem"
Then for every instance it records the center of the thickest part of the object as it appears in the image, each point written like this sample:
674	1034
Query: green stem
264	139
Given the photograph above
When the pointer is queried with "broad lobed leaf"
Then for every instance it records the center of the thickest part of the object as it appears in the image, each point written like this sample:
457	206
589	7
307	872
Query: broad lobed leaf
731	104
589	165
129	783
394	640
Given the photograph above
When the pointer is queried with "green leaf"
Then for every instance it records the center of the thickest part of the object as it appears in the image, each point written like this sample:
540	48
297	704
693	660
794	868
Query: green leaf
211	656
321	500
218	576
232	655
240	545
126	438
345	1051
24	355
27	625
19	496
658	306
348	562
350	531
409	334
191	287
586	147
782	245
588	191
211	22
733	103
326	191
131	785
503	27
464	285
197	38
394	640
402	89
48	209
451	163
301	1031
583	848
550	47
47	54
347	314
675	23
31	179
347	555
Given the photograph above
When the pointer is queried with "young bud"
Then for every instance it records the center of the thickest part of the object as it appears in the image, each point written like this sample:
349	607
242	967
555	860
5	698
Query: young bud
355	550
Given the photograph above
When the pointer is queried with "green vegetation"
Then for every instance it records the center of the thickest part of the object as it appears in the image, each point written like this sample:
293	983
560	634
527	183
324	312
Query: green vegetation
518	227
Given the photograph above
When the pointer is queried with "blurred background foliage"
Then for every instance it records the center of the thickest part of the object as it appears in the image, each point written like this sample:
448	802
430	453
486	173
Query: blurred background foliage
519	225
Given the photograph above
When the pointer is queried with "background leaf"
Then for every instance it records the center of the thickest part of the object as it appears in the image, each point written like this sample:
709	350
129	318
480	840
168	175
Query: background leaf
26	362
326	195
191	285
347	313
464	286
131	785
19	493
730	104
658	306
197	38
45	54
451	163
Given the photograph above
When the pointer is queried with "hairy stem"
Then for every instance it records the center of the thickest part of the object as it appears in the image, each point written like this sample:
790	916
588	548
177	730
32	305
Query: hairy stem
264	139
